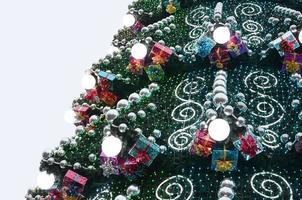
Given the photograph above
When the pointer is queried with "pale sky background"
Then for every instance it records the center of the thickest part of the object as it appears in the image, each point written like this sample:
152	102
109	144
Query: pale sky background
45	46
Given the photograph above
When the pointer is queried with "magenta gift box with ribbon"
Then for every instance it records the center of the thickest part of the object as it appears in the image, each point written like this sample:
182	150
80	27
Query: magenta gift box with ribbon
72	178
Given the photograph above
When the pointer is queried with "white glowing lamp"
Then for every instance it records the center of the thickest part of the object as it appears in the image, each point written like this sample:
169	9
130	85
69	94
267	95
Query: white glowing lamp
139	51
300	36
88	81
45	181
219	129
70	116
222	34
111	146
129	20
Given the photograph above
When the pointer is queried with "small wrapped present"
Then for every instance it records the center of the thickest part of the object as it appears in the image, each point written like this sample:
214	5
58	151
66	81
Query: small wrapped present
109	76
155	72
137	26
108	98
136	66
160	54
292	63
106	80
74	181
55	194
171	6
131	168
204	46
249	145
92	95
144	151
298	146
286	43
219	57
224	160
82	112
203	144
235	46
70	193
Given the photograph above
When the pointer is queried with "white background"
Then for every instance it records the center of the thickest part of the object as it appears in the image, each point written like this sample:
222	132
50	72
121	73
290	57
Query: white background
45	46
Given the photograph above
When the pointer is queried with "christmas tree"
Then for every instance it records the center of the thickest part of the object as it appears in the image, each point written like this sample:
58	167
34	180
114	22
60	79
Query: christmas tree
198	100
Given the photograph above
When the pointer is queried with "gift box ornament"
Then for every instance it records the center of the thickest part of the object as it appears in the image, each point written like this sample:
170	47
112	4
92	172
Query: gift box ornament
55	194
92	95
110	165
248	145
155	72
203	144
74	181
171	6
204	46
108	98
292	63
82	111
136	66
224	160
71	193
160	54
219	57
298	146
235	46
287	43
137	26
131	168
144	151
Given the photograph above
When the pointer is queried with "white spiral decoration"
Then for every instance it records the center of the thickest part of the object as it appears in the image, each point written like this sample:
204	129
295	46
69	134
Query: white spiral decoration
270	139
188	113
185	113
189	48
259	80
197	16
175	188
271	186
248	9
252	26
195	19
187	87
266	109
105	194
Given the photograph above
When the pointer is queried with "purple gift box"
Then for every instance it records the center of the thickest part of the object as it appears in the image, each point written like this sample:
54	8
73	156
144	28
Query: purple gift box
292	63
235	46
298	146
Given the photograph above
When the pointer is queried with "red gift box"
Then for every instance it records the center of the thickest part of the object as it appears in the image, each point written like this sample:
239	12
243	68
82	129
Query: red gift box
220	57
203	144
81	111
108	98
248	145
72	178
91	95
160	54
136	66
130	167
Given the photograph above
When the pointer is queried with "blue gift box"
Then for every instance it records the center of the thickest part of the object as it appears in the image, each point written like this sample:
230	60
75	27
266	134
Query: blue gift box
204	46
224	160
144	151
111	77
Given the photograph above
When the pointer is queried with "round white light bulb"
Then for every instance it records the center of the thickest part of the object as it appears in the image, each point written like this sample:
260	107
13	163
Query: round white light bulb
219	129
222	34
70	116
129	20
300	36
45	181
139	51
88	81
111	146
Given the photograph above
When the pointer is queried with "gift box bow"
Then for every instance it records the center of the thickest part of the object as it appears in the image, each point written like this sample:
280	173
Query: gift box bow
292	62
160	53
